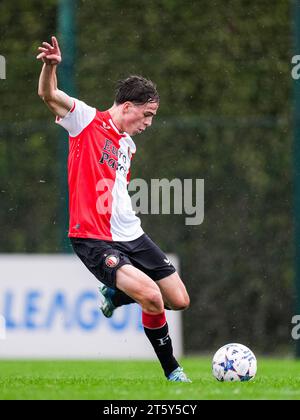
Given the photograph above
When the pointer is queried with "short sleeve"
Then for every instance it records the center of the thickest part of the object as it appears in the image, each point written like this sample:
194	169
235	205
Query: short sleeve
78	118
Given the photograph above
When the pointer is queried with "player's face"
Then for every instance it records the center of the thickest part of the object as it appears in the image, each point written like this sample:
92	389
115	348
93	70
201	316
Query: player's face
138	117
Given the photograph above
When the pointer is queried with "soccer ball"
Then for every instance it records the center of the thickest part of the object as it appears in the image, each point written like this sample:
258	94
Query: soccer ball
234	362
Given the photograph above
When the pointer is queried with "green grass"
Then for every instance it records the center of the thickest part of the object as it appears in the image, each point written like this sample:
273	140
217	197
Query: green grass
276	379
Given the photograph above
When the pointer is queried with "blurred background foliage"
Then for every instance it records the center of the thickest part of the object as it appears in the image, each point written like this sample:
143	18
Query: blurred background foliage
223	74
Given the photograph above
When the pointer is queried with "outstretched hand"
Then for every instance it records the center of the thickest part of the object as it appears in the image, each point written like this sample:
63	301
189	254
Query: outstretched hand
50	54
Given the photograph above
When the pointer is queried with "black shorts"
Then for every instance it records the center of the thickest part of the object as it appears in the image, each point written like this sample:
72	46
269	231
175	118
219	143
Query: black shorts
103	258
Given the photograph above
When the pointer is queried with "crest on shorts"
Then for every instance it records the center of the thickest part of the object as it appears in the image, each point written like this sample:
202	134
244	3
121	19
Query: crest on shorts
111	261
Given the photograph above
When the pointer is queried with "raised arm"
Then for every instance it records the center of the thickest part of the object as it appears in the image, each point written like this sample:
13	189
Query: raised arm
57	101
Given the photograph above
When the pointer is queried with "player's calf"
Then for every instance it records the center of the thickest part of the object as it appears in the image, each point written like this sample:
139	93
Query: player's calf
174	292
157	331
143	290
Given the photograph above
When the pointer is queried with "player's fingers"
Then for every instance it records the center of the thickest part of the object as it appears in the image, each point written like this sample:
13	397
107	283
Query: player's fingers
43	49
40	55
53	57
54	41
48	45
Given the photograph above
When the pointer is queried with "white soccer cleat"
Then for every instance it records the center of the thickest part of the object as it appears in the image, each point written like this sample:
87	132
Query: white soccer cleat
178	375
107	307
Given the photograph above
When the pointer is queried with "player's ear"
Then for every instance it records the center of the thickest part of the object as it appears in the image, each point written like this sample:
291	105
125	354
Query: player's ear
127	107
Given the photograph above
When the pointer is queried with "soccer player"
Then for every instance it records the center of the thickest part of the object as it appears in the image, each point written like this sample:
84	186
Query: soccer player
104	231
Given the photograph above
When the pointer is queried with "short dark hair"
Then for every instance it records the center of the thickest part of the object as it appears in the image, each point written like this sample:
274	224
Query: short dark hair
136	89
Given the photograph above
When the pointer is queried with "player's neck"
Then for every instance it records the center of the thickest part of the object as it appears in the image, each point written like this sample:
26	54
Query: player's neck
116	117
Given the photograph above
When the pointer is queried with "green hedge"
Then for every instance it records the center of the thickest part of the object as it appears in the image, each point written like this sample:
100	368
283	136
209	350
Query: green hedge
223	73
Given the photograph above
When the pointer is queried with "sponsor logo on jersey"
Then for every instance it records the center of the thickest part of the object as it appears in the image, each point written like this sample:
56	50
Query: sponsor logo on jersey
114	158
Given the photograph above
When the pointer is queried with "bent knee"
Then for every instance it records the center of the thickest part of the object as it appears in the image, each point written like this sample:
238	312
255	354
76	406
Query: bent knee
181	303
152	301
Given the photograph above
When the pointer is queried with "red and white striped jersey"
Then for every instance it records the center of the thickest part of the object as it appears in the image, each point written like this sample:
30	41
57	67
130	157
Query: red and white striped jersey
98	175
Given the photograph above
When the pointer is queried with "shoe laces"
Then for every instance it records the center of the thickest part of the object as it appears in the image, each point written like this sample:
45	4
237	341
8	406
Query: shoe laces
179	376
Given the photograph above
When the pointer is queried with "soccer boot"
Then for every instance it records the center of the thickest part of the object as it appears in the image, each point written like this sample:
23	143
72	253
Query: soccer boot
107	307
178	375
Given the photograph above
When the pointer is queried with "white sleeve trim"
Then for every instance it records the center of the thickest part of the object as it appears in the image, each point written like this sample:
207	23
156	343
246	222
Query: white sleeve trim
78	118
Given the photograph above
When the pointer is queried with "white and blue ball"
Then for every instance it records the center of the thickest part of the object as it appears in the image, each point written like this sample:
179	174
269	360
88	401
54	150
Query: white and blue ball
234	362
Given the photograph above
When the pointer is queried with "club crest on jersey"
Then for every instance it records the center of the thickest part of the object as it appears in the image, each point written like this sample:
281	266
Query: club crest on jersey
112	261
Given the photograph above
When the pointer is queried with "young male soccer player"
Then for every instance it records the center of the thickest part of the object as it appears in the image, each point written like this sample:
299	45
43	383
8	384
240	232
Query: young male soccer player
104	231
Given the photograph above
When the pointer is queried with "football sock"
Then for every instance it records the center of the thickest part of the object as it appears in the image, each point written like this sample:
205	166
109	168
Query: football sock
120	298
157	331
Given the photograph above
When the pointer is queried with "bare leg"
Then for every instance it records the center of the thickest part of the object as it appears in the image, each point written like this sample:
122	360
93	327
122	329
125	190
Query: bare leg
146	292
174	292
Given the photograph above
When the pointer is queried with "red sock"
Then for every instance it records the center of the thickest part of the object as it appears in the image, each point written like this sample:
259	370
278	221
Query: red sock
154	321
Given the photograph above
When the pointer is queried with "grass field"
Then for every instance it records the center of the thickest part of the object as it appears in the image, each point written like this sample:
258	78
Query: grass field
276	379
